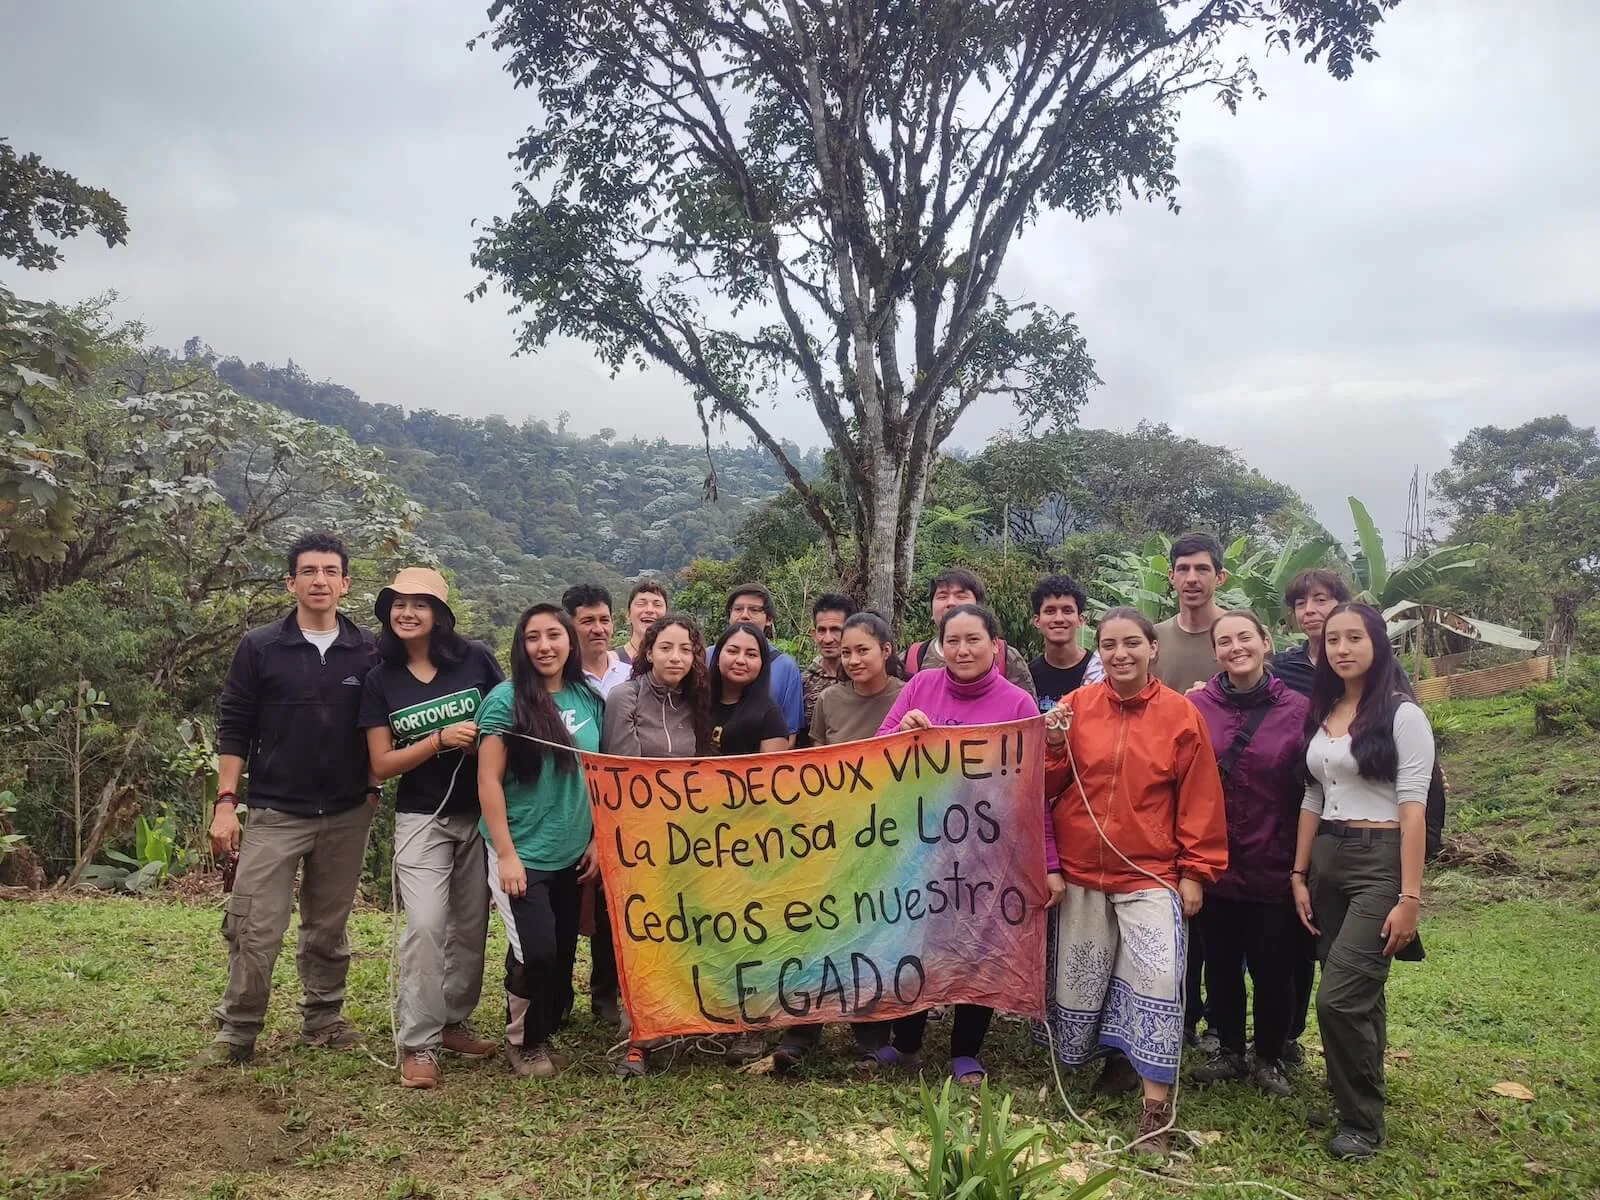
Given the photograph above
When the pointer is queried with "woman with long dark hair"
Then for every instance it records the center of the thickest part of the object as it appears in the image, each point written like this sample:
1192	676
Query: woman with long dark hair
419	708
1257	728
851	711
1357	877
664	711
744	717
1140	826
536	816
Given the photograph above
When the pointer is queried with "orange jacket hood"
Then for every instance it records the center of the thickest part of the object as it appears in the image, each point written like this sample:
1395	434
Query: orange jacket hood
1148	771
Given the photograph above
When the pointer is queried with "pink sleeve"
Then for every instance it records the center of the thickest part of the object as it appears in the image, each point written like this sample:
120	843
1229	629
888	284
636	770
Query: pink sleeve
902	705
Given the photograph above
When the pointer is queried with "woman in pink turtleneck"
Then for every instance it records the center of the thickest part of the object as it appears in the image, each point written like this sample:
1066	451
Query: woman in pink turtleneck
970	689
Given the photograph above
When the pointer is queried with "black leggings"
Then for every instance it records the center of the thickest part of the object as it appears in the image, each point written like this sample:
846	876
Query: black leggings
1263	935
968	1029
546	919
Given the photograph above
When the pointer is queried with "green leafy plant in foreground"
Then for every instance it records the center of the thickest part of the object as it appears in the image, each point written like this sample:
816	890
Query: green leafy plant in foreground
987	1159
1570	703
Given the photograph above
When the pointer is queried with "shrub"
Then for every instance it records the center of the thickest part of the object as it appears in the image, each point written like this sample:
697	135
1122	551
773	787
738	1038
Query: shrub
1569	703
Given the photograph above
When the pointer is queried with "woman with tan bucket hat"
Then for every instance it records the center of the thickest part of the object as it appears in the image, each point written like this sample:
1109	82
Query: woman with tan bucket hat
419	709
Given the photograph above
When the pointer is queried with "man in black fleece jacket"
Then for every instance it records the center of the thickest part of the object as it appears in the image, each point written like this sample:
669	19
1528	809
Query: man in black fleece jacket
288	712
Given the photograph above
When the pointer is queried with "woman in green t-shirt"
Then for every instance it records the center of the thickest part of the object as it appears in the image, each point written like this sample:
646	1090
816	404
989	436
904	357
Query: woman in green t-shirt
536	815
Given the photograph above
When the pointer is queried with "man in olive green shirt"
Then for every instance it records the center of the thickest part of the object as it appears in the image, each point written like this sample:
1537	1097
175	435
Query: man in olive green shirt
1184	656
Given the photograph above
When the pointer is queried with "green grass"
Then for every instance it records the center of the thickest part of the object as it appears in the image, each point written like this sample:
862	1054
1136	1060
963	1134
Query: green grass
103	1002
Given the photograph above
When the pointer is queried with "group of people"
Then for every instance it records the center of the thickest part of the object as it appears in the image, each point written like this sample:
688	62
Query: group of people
1212	810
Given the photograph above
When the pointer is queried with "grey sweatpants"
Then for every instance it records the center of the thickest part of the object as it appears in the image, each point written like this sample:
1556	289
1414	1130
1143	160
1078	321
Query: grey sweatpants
332	850
443	881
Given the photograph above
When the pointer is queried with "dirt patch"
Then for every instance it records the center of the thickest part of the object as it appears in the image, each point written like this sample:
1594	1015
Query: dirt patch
150	1135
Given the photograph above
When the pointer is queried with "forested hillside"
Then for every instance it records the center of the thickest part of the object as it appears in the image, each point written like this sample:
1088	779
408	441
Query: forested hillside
500	495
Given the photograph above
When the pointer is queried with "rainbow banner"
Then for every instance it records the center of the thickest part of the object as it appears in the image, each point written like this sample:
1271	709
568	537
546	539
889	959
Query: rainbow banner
855	882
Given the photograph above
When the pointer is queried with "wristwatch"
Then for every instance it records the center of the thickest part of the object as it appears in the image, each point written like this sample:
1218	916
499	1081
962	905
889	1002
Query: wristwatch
228	798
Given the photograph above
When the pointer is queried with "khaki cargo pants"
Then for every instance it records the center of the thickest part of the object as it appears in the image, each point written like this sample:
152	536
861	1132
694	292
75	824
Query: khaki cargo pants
332	849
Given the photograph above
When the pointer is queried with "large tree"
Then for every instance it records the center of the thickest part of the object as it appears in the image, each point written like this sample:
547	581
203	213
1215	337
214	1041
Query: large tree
814	198
39	202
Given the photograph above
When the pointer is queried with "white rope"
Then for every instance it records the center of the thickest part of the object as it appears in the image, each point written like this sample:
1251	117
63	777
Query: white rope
1111	1144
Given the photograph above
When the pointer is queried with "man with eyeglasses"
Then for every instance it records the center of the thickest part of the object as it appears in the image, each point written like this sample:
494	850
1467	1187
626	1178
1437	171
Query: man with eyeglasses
288	719
751	603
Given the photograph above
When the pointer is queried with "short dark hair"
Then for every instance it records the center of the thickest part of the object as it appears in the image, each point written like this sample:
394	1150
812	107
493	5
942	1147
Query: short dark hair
834	602
1316	577
958	577
991	623
584	595
749	589
316	541
649	585
1058	585
1196	543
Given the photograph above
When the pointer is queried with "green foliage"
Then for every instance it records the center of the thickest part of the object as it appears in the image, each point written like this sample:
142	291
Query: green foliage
10	840
761	204
987	1158
1570	703
37	201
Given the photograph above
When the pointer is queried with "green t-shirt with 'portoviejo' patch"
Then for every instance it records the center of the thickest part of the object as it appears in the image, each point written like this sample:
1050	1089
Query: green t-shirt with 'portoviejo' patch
549	819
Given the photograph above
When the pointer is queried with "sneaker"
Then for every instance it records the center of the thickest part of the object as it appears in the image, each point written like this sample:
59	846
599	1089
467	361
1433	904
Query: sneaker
538	1061
1294	1056
225	1054
1154	1118
1352	1146
338	1035
635	1064
1117	1077
419	1069
520	1066
746	1048
461	1039
1221	1066
1269	1077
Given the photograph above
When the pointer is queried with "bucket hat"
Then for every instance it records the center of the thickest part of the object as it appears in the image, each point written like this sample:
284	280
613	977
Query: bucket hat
414	581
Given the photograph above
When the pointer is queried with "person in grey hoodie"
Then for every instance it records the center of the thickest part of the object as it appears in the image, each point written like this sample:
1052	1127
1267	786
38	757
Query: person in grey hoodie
664	711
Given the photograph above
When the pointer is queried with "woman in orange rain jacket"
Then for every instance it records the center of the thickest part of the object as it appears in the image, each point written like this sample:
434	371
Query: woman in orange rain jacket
1138	755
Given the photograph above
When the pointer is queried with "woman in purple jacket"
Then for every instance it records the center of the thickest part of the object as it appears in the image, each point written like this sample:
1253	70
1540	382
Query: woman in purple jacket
970	689
1257	731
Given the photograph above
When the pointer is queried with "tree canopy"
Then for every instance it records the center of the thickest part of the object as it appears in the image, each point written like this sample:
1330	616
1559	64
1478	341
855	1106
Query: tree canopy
813	200
39	202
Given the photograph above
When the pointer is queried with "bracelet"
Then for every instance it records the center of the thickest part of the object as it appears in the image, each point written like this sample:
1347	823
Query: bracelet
1411	896
1294	874
438	741
228	798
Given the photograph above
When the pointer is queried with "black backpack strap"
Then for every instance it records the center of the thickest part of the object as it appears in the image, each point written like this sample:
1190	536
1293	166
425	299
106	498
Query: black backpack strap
1241	740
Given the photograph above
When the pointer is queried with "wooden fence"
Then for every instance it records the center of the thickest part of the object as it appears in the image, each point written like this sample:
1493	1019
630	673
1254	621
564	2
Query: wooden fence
1473	685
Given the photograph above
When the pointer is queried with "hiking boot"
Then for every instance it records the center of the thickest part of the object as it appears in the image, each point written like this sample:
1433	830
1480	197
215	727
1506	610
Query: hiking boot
520	1066
1294	1056
746	1048
786	1059
1269	1077
1352	1146
225	1054
337	1035
538	1062
1151	1139
635	1064
1208	1042
419	1069
1221	1066
461	1039
1117	1077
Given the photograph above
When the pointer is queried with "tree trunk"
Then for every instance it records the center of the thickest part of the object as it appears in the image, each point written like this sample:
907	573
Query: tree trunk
882	539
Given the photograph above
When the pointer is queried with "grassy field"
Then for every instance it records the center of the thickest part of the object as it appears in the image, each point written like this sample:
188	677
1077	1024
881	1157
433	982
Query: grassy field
104	1001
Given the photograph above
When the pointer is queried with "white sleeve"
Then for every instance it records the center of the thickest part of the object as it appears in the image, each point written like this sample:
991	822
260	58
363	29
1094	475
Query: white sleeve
1413	743
1313	800
1095	671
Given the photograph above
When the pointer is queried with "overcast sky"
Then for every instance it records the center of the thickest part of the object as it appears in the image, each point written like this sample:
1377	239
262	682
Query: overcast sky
1361	272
